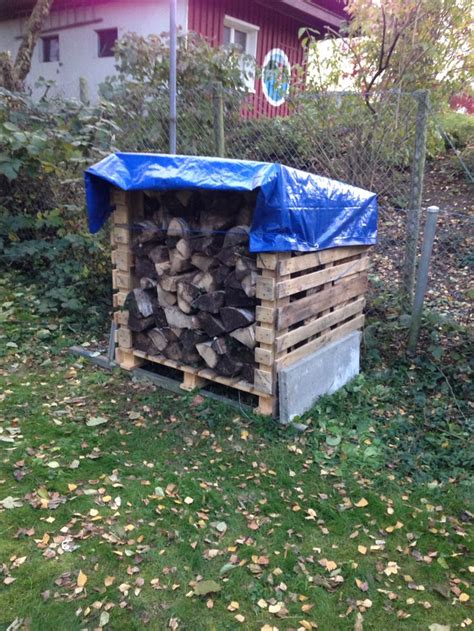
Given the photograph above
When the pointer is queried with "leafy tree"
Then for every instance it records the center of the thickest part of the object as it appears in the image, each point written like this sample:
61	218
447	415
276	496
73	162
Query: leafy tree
136	98
13	74
401	45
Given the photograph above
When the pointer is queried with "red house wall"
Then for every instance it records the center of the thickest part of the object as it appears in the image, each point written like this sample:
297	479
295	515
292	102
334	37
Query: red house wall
276	31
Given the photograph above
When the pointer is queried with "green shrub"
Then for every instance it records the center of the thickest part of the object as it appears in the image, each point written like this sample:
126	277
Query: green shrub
459	128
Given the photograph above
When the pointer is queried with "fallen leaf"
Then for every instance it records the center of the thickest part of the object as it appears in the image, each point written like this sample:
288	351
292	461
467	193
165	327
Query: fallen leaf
361	503
104	618
207	587
11	502
81	579
362	549
188	500
463	598
96	420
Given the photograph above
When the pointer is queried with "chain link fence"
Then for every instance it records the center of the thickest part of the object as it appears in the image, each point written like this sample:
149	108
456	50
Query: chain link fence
336	135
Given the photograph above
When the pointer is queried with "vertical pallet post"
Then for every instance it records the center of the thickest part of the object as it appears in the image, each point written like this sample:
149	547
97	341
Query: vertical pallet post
128	207
266	354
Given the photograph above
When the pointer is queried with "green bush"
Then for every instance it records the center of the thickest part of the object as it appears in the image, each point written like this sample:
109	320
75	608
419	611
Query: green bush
44	148
459	128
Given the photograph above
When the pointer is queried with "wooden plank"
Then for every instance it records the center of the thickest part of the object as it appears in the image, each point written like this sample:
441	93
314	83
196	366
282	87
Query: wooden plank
345	289
265	406
326	338
266	260
121	214
124	337
118	299
191	382
265	314
295	285
264	334
264	356
122	280
121	235
127	360
265	289
264	380
122	259
205	373
316	326
117	196
313	259
121	318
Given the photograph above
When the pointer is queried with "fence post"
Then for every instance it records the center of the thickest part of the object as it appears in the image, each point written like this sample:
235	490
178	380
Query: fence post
422	278
218	108
416	192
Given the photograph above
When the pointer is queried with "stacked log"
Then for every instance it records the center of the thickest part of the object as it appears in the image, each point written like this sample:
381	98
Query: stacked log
195	281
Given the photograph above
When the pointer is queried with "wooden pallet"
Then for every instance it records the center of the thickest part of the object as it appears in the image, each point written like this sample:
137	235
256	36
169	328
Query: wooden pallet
307	301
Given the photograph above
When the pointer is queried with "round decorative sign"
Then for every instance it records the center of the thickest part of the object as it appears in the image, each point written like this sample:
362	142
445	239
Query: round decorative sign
276	76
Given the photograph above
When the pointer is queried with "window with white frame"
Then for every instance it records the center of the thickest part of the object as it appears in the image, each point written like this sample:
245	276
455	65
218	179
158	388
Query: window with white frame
244	36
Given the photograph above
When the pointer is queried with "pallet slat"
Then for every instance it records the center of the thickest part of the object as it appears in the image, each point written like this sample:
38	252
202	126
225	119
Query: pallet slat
314	259
345	289
309	281
316	326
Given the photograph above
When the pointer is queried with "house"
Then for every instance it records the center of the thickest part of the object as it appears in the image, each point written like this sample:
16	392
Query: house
78	37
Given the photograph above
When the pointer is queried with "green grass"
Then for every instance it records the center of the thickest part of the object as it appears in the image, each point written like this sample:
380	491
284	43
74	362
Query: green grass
270	507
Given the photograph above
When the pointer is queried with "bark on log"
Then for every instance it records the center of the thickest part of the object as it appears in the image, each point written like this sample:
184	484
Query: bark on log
176	318
212	302
245	336
212	326
234	318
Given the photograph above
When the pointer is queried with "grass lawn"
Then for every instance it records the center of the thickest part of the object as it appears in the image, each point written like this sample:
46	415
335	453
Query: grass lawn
125	507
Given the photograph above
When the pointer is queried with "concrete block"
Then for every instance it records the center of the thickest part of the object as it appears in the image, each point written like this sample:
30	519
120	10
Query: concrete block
322	372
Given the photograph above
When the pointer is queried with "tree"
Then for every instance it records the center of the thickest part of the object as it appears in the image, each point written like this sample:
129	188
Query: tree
13	74
407	45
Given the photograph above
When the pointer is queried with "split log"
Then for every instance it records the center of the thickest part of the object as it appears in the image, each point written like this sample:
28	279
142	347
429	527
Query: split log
219	345
248	373
184	248
174	351
238	298
141	342
179	263
212	302
203	262
234	318
179	228
139	324
147	283
212	326
176	318
141	303
145	231
249	284
165	298
244	266
205	281
145	267
170	282
228	367
159	254
245	336
208	354
237	236
162	337
187	293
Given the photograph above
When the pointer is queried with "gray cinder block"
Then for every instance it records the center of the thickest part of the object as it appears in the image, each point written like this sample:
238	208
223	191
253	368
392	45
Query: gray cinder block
323	372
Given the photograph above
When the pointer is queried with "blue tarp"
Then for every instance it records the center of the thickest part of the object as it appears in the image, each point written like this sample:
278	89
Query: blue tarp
295	210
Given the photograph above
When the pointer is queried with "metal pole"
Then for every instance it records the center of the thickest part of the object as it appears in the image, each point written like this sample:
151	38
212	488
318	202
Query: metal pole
218	102
172	80
416	192
422	279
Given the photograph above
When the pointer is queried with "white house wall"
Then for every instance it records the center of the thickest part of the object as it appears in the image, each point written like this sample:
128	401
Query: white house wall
78	44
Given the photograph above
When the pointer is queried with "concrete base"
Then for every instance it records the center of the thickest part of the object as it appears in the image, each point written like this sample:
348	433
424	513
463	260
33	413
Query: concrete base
322	372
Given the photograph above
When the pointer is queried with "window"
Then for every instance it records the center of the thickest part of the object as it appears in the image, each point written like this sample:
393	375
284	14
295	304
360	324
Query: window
106	39
50	48
244	36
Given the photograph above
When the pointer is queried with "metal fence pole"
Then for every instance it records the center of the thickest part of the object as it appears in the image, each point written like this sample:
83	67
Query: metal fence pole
172	130
422	279
218	109
416	192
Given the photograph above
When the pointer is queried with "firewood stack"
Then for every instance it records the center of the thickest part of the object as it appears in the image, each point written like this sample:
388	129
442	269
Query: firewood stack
195	280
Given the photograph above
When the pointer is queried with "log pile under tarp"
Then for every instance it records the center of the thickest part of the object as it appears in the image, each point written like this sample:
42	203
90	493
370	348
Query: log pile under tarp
195	280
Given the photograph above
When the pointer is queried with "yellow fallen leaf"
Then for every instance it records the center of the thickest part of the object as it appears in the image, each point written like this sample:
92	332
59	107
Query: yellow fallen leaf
233	605
188	500
275	608
239	617
361	503
106	499
463	598
81	579
109	580
72	487
362	549
262	603
93	512
244	434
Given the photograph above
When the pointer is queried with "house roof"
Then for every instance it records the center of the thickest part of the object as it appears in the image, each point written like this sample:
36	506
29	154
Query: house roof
309	11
